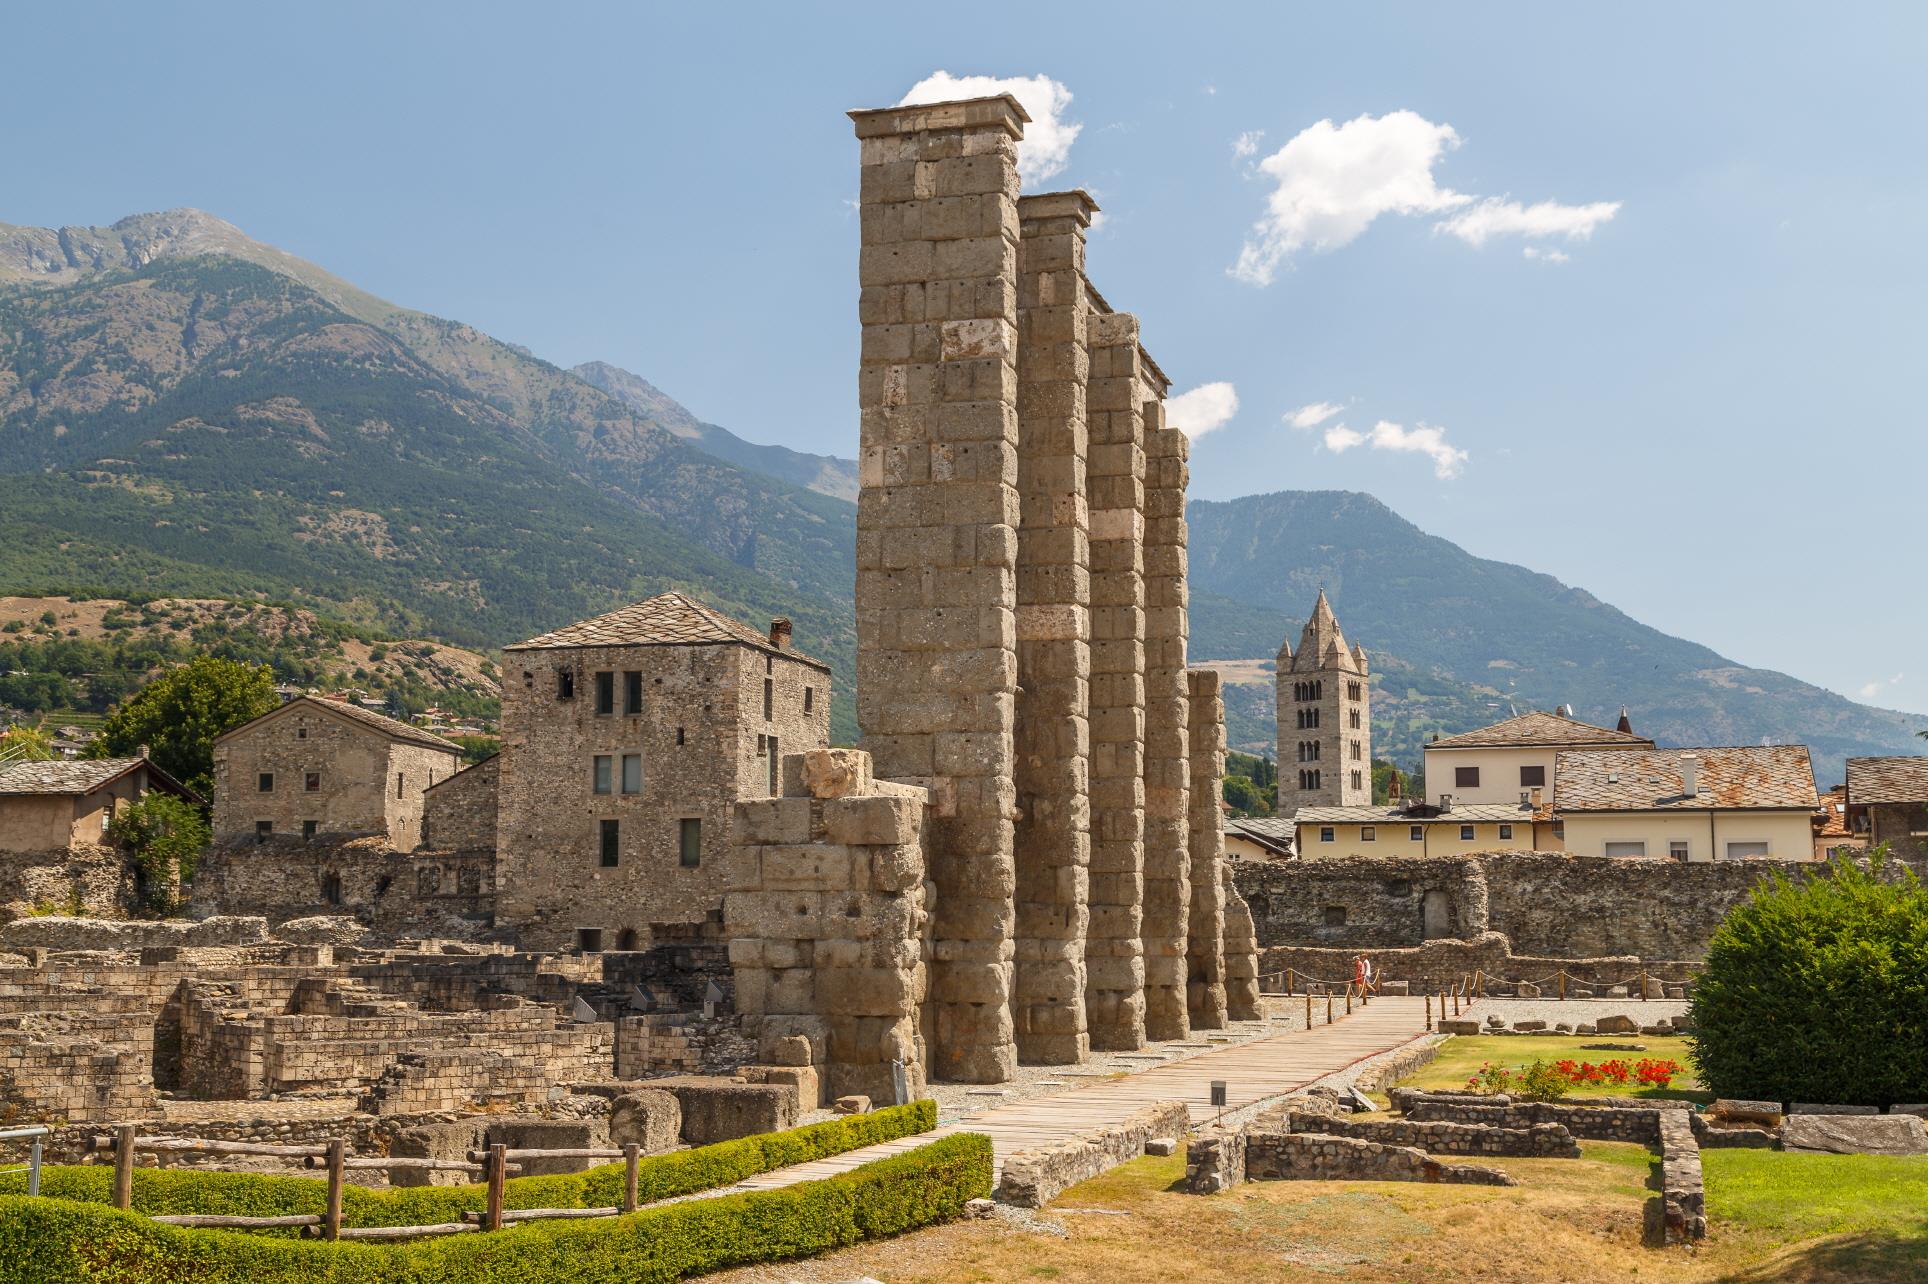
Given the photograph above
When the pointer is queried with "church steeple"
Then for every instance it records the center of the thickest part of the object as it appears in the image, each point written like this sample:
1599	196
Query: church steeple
1324	717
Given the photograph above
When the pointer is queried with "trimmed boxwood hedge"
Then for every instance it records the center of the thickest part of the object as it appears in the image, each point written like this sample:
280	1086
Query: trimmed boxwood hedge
58	1241
684	1172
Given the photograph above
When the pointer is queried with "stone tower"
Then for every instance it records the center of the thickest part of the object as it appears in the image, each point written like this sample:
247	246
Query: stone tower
1325	718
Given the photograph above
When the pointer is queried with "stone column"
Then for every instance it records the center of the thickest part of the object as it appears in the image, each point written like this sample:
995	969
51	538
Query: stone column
1205	941
1241	953
937	521
1114	960
1053	631
1167	731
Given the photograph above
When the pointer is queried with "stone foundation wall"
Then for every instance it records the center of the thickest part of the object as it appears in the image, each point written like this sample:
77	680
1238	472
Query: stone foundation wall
1591	1123
1679	1215
1294	1156
395	892
1535	1141
1440	964
85	878
1033	1178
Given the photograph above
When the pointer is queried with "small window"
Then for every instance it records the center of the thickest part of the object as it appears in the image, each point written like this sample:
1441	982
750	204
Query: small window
1677	850
589	940
1626	849
1357	755
1354	717
1399	887
769	698
762	745
1327	834
689	840
331	889
565	684
611	839
301	733
1417	833
605	693
1465	833
308	829
1742	851
632	773
1368	833
1358	781
401	781
1335	916
1355	691
632	692
679	735
1506	832
311	781
263	830
265	782
809	698
626	939
603	766
1559	830
1532	776
1466	777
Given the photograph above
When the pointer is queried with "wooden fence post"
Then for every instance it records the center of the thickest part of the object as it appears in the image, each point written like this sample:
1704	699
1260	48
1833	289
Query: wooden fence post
630	1153
1563	985
337	1163
1429	1011
1348	998
1328	1007
1643	985
1308	1007
1288	983
124	1166
497	1173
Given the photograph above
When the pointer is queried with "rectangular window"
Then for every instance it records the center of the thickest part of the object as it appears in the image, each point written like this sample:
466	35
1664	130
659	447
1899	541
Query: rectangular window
301	733
1327	834
265	782
1358	781
565	684
1466	777
689	841
1677	850
604	765
263	829
1506	832
632	773
1417	833
589	939
611	842
1465	833
1626	849
809	696
1531	776
769	698
1741	851
632	692
679	735
1368	834
1335	916
307	829
311	781
605	693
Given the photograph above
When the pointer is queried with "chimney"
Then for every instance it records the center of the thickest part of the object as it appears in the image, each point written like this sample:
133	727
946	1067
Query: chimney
1534	796
1445	802
141	752
780	633
1624	725
1392	789
1689	785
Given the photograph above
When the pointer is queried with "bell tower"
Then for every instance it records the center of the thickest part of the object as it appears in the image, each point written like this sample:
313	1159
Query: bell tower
1325	718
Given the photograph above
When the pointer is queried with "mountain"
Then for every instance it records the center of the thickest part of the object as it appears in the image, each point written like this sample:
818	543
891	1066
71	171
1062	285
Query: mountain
825	474
1454	636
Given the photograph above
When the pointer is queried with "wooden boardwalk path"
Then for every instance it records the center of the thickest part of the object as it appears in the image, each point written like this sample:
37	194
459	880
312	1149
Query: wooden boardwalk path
1252	1071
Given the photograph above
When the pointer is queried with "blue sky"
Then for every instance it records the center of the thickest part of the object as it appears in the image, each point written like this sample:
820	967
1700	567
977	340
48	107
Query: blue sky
1704	410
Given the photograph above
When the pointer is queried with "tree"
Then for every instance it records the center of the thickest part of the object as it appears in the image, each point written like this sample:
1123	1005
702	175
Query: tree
179	714
26	744
166	836
1816	989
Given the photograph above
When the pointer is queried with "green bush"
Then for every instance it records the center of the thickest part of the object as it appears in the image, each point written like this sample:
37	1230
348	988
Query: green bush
184	1190
1816	989
57	1241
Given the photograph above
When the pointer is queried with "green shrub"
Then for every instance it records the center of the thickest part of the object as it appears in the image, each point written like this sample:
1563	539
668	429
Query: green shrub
184	1190
57	1241
1816	989
1542	1081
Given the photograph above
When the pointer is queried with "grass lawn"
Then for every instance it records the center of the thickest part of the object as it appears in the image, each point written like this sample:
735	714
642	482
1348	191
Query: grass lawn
1461	1056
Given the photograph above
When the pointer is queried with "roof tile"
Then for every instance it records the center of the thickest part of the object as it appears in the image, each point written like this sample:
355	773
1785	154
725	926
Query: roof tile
667	619
1754	776
1887	780
1536	728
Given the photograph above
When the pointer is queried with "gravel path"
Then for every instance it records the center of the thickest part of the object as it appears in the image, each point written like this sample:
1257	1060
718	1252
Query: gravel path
1573	1011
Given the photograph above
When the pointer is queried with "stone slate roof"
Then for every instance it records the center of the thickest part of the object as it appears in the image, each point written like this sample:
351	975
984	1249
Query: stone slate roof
669	619
1461	814
1887	780
80	777
1750	777
393	728
1267	831
1832	820
1537	729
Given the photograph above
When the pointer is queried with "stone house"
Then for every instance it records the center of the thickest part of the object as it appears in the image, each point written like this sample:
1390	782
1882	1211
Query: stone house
1413	829
1516	761
1258	838
1887	802
54	849
1689	804
1324	718
317	767
1831	833
458	814
627	741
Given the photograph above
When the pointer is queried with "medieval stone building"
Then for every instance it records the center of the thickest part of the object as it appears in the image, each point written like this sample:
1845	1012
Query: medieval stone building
1324	718
627	741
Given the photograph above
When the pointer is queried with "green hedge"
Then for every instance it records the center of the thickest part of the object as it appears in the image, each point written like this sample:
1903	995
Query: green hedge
56	1241
185	1190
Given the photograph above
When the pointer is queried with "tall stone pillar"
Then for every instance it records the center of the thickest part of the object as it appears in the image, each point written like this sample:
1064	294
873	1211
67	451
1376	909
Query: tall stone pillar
1114	959
1167	730
1205	941
1053	630
937	522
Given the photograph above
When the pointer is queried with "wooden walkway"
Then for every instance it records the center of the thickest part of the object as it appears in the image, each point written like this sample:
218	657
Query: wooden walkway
1252	1071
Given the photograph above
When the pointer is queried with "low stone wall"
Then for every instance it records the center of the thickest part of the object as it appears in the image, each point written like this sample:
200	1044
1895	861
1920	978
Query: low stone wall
716	1109
395	892
1397	1064
419	1082
1033	1178
55	933
1299	1156
1679	1215
1593	1123
1535	1141
86	878
1440	964
45	1076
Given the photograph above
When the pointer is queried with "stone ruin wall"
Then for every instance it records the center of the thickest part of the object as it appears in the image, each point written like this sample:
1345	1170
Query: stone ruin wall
84	878
427	892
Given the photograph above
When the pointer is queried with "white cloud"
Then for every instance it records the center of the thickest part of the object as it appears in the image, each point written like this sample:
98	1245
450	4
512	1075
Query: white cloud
1204	408
1495	217
1313	415
1334	180
1869	690
1422	440
1247	143
1046	148
1546	255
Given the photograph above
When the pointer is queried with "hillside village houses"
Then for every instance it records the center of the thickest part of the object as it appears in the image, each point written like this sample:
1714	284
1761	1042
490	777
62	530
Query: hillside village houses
53	832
